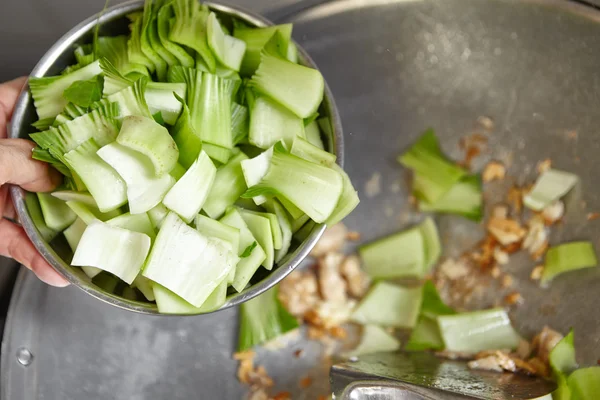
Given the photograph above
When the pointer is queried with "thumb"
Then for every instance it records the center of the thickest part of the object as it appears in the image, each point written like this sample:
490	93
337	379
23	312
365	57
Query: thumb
18	168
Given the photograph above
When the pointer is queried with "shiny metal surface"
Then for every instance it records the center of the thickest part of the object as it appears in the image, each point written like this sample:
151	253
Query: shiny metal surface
424	376
395	68
60	55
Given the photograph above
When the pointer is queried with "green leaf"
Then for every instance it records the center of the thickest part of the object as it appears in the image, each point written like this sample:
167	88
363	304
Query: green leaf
84	93
248	250
158	118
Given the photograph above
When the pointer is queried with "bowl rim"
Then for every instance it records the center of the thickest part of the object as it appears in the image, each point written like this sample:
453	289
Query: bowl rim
65	43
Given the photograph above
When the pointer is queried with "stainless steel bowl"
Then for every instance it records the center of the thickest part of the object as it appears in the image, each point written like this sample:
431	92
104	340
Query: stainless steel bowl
113	21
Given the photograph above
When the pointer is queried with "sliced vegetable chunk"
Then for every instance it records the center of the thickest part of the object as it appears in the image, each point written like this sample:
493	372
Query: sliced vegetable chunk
57	214
262	319
389	305
188	195
151	139
115	250
47	92
251	253
312	188
260	227
169	303
298	88
187	262
550	186
135	223
568	257
255	169
144	190
227	187
227	49
374	339
464	198
477	331
271	122
103	182
398	255
585	383
437	174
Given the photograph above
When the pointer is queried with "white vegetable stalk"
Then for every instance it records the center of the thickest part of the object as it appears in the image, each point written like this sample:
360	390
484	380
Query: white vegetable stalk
144	190
186	262
188	195
115	250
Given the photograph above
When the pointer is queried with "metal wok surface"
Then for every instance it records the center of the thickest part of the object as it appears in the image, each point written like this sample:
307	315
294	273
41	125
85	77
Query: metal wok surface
395	68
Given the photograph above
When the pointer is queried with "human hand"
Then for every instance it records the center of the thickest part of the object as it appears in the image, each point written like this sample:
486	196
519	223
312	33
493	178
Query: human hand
18	168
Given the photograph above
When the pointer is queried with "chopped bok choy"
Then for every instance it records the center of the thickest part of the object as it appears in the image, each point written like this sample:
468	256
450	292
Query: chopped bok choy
389	305
476	331
568	257
436	173
188	195
187	138
311	187
411	253
426	335
187	262
115	250
263	318
374	339
550	186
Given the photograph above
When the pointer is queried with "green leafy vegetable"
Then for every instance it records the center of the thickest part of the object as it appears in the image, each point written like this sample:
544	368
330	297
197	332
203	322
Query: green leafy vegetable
227	187
35	212
260	227
228	50
263	318
374	339
102	181
550	186
189	29
48	92
389	305
298	88
568	257
463	198
84	93
312	188
426	335
585	383
115	250
270	123
187	262
149	138
256	39
478	330
57	214
144	190
188	195
247	266
436	174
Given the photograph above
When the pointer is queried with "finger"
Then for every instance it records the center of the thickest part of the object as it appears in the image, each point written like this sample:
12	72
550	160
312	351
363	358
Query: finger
7	208
17	167
9	93
15	244
3	198
9	211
